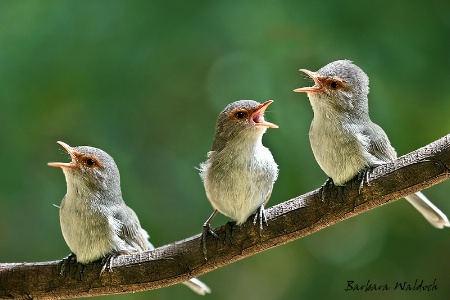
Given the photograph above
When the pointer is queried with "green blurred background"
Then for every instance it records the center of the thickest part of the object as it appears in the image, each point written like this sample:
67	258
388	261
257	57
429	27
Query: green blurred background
145	81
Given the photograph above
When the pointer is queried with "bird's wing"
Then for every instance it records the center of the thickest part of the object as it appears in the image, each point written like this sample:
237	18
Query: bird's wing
131	231
379	145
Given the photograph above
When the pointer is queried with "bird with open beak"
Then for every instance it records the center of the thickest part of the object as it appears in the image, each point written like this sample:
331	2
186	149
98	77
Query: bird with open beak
239	172
95	221
344	140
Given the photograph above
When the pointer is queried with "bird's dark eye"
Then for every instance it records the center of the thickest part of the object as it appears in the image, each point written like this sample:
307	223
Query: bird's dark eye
90	162
334	84
240	115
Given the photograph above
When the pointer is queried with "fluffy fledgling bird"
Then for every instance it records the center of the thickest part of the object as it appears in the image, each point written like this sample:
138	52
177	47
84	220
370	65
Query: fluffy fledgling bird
95	221
344	140
239	172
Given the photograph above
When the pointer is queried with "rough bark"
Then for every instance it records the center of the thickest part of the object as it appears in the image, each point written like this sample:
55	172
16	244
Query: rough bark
182	260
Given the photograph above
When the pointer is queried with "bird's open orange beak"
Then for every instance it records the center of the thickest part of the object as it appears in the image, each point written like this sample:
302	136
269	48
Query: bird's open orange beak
257	116
317	83
72	154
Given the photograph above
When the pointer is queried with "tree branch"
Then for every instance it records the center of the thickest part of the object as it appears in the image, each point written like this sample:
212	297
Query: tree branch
182	260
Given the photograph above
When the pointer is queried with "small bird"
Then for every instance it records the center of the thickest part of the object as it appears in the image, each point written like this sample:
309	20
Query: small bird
344	140
95	221
239	172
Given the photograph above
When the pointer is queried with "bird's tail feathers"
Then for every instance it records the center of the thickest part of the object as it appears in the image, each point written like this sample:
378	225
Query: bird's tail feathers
433	214
197	286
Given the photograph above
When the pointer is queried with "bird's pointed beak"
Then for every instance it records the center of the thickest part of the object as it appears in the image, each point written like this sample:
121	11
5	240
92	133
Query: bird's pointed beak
71	152
317	83
257	117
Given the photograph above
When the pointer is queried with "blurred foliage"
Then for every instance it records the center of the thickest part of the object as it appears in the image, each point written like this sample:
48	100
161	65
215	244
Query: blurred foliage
145	81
